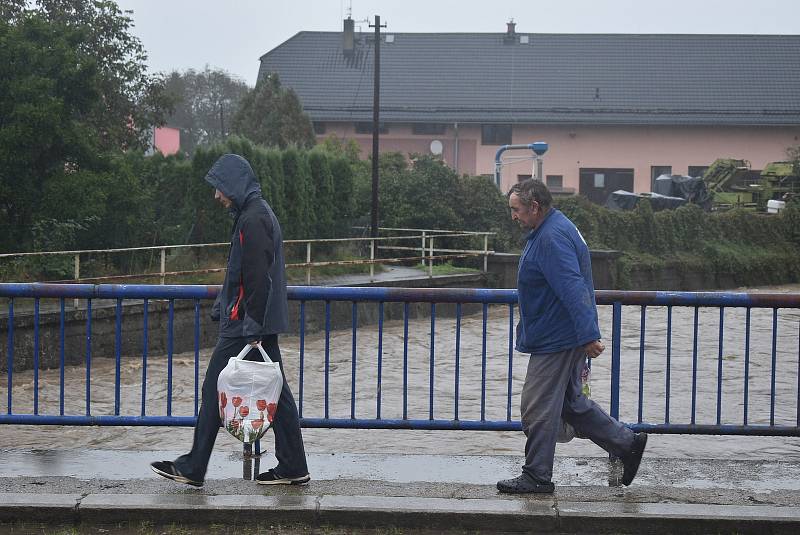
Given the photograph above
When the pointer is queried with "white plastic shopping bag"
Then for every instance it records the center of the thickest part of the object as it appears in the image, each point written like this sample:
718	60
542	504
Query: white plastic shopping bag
248	393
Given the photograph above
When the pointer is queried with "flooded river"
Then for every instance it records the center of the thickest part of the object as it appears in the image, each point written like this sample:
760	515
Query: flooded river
654	406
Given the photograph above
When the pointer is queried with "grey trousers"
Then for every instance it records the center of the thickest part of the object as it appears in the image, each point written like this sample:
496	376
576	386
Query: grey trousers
552	391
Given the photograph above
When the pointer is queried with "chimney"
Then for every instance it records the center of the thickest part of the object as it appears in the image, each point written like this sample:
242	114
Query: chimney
510	32
348	37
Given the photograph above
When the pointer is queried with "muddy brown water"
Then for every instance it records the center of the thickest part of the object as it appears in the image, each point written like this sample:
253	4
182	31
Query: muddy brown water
390	393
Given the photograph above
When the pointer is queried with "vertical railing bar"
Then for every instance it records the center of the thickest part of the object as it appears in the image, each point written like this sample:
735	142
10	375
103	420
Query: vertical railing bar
170	325
405	360
774	365
431	362
61	359
10	352
196	357
327	353
308	263
483	363
353	363
642	330
719	365
669	364
88	356
510	360
117	354
458	361
616	344
302	357
145	343
36	356
694	364
746	364
380	361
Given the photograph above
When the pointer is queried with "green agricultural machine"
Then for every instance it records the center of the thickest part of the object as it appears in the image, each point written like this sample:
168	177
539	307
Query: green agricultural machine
732	184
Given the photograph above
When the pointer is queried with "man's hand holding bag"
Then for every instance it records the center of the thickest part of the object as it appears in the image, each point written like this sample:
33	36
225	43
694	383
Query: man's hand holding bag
248	393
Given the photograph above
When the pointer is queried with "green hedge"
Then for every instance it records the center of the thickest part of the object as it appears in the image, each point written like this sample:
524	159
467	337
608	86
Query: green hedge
744	247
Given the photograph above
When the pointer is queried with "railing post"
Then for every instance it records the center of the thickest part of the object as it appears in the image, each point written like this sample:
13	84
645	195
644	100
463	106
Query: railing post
308	261
430	255
422	251
616	343
485	253
372	259
77	276
163	264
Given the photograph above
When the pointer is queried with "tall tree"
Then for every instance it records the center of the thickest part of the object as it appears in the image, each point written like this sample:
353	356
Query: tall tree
73	92
272	115
206	102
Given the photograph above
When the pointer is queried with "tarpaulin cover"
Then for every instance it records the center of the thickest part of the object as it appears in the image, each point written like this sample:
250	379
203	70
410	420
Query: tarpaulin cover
625	200
693	189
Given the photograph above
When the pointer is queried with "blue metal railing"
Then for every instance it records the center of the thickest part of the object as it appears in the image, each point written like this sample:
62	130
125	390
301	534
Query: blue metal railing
683	364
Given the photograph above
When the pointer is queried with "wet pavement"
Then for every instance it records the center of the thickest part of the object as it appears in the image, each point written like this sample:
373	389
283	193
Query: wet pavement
405	492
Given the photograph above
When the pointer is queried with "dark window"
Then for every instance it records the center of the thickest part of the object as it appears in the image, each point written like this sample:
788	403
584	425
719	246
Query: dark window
366	128
656	171
555	181
697	170
319	128
597	184
428	129
520	178
496	134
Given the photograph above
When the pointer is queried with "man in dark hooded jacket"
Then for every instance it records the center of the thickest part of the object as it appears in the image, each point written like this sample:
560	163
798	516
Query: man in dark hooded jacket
251	309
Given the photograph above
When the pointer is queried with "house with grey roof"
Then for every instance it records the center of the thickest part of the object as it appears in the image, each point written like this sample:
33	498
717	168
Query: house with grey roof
616	110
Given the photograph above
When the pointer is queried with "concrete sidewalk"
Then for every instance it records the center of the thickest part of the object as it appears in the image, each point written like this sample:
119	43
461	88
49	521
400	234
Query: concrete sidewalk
405	493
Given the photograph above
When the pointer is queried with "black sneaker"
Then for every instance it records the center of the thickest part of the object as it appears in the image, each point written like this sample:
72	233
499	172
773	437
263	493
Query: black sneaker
634	458
525	484
271	478
167	469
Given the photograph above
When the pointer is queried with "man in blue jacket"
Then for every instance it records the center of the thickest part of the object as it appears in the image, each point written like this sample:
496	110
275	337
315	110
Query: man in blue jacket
558	328
251	309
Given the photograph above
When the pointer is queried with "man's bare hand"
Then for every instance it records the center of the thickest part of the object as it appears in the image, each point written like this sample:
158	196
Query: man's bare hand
255	343
593	349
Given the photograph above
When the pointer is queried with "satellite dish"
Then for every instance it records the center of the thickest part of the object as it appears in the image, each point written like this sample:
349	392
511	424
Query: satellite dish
436	147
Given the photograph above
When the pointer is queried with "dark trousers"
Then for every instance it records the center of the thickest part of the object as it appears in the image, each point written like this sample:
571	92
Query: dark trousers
288	440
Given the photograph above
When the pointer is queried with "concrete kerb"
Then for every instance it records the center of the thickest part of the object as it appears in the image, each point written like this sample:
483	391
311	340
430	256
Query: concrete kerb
524	514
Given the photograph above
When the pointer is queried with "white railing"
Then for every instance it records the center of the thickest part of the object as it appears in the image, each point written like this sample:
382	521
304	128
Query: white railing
426	253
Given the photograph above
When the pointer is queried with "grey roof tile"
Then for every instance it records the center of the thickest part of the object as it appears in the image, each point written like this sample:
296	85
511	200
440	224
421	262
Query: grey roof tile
555	78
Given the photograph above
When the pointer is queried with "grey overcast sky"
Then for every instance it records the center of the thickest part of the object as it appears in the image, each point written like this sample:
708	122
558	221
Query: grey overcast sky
233	34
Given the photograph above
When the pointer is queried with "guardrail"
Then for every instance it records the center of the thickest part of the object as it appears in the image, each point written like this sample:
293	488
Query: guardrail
704	371
426	253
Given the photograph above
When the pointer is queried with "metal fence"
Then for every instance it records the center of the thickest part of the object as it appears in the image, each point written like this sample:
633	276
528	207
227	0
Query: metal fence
402	245
701	365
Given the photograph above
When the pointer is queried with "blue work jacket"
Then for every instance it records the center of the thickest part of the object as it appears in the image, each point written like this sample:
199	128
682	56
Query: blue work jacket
555	290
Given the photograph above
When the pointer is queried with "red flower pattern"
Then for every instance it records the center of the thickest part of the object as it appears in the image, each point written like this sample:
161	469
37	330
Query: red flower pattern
236	400
244	410
257	424
223	399
261	404
271	408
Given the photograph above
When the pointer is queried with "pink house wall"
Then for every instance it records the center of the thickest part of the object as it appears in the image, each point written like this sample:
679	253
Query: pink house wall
576	147
167	140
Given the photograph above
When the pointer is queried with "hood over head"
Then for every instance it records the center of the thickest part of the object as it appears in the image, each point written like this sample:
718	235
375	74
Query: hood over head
233	176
